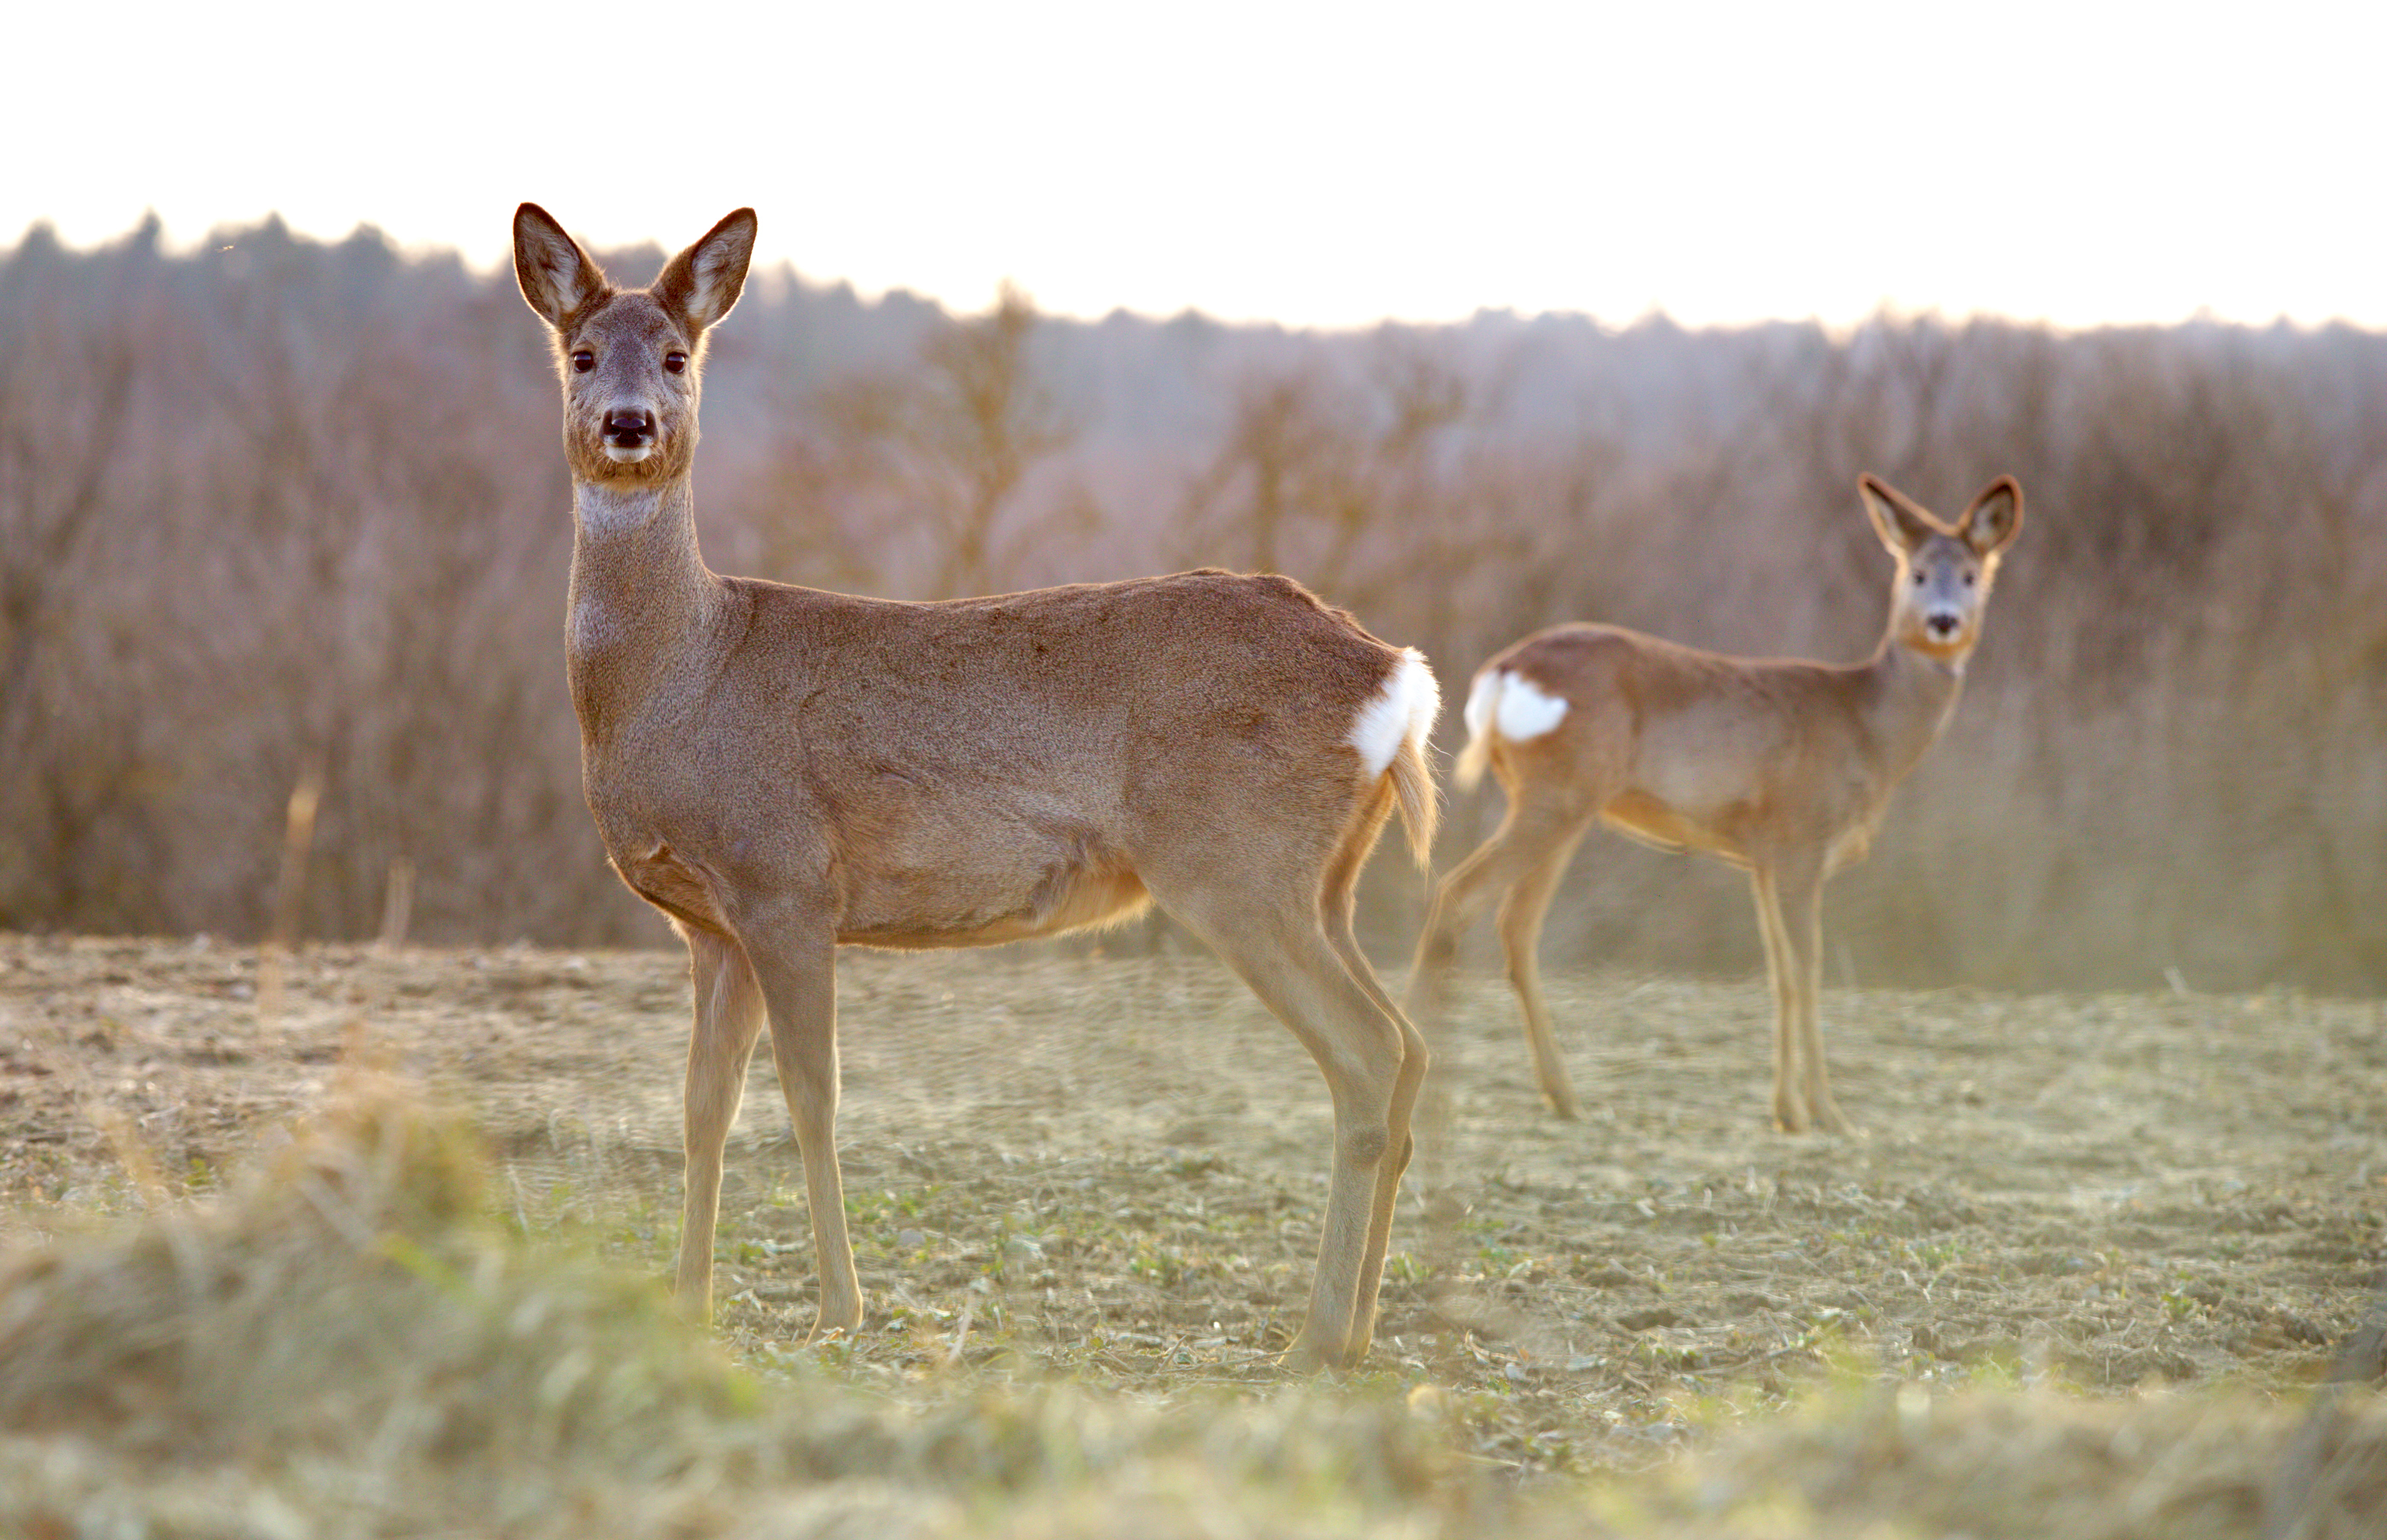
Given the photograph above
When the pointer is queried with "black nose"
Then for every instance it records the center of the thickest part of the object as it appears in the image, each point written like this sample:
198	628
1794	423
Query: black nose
629	429
1943	625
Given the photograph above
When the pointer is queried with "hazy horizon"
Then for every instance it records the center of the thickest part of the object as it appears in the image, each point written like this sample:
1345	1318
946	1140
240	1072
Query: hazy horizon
1326	167
175	244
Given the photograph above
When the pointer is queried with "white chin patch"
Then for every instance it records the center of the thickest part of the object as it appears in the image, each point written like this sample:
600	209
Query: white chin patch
1525	710
621	456
1401	711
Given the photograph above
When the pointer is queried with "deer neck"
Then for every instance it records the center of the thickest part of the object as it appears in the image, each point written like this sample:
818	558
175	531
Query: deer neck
1909	697
642	598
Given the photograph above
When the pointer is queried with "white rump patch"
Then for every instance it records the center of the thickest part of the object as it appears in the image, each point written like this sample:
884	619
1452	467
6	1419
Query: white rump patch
1528	712
1402	711
1483	699
1513	705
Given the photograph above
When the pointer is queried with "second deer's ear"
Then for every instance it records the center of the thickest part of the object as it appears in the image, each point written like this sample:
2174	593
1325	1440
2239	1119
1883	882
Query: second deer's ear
558	279
1995	517
1896	518
702	282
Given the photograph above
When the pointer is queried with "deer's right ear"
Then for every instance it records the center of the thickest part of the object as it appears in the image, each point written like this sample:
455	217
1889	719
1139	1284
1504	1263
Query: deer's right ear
557	277
1896	518
1995	518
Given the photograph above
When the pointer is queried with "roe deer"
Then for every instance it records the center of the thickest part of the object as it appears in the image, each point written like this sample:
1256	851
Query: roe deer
783	771
1778	766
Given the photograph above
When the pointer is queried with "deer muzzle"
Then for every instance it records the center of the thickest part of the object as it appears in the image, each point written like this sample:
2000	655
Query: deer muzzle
629	435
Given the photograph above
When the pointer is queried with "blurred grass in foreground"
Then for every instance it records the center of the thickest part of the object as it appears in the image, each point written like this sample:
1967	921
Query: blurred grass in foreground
348	1342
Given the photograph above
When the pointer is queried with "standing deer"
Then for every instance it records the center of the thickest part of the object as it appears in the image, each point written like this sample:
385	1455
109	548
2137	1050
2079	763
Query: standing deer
784	771
1778	766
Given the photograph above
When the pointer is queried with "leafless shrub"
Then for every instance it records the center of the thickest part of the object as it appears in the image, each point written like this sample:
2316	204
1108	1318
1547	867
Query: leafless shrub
280	503
911	479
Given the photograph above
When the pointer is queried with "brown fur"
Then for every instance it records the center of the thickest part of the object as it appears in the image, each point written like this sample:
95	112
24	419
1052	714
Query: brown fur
1421	807
783	771
1781	766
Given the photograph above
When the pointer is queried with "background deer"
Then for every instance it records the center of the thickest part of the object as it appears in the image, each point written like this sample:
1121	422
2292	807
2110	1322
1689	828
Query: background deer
1778	766
783	771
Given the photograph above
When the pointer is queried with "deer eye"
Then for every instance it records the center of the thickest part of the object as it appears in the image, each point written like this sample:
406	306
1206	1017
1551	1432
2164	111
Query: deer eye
674	363
1918	577
1970	578
583	362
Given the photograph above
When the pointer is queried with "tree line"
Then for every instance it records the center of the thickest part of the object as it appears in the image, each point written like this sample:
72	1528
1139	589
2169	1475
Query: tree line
279	510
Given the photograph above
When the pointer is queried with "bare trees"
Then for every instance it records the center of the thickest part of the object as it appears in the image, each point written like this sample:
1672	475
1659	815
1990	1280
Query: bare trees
1340	484
239	545
911	479
291	500
64	390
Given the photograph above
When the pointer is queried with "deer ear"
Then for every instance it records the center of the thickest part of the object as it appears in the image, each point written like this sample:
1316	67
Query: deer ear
1896	518
702	282
1995	517
558	279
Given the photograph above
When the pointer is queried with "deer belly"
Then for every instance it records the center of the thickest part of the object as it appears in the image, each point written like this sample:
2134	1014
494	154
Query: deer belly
1644	819
958	892
674	885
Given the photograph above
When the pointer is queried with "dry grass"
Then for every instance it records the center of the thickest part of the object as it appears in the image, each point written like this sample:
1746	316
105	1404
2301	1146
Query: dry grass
347	1327
347	1343
1893	1461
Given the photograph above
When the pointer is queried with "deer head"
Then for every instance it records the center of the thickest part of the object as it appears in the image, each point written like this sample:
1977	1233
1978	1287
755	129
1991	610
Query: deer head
1944	571
629	357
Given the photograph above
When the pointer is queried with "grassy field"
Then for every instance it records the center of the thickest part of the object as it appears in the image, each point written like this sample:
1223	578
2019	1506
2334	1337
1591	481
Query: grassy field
2077	1276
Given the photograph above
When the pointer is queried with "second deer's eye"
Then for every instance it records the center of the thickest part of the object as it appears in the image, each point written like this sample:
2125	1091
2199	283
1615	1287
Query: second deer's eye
583	362
674	363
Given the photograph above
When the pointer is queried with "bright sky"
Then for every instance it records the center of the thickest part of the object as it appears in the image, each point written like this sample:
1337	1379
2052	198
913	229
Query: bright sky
1319	164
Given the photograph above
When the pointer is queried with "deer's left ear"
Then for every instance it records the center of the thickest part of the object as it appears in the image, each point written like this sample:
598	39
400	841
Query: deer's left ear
1994	518
702	282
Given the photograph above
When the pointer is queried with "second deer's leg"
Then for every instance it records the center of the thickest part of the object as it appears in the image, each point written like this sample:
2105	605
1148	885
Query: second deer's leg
728	1018
1521	914
1456	898
1426	1003
1790	1105
1538	829
796	964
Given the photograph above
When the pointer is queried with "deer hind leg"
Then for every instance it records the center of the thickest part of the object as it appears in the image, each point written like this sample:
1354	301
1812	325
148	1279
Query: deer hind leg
1789	912
1456	900
1538	831
728	1018
1336	906
1454	904
1283	952
796	962
1521	914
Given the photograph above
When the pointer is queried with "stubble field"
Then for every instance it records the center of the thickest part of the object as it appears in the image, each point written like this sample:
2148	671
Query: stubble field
1107	1171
